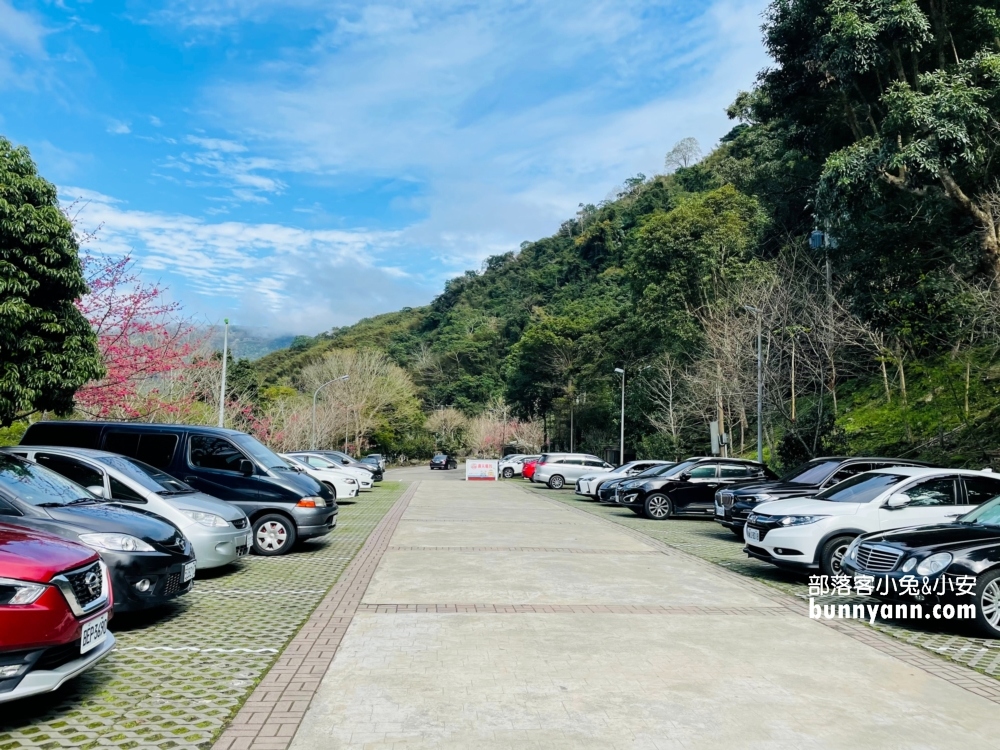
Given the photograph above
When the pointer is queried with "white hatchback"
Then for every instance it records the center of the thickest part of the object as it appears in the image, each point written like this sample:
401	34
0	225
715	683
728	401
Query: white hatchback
341	485
814	532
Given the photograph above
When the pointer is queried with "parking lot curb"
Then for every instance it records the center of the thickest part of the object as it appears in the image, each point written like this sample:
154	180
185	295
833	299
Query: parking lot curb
273	712
926	661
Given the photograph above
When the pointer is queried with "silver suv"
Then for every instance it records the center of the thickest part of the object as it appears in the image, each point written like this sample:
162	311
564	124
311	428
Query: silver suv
556	469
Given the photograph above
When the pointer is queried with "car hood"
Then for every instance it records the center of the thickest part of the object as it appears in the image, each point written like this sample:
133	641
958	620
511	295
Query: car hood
782	489
29	555
806	506
939	537
199	501
300	482
83	519
601	476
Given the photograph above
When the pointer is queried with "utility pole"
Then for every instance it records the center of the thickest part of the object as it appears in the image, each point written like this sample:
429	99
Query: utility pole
760	382
222	388
621	446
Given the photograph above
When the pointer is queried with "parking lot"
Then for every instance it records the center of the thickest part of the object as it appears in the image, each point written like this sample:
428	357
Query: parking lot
710	541
178	675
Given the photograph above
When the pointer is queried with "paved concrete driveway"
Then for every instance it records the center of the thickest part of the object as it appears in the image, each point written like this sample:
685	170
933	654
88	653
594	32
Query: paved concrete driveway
497	618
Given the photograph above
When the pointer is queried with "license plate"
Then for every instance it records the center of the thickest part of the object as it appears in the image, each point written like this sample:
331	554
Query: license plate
753	535
93	633
720	511
188	571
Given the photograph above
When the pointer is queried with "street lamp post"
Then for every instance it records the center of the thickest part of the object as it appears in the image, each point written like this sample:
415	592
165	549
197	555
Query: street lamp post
315	394
621	446
760	382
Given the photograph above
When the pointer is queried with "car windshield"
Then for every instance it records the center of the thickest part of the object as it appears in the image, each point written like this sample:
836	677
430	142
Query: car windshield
673	471
861	488
41	487
987	514
811	472
318	462
260	453
655	471
146	476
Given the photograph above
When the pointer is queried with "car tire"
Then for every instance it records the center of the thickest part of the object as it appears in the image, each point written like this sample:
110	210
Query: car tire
273	535
332	489
508	473
658	507
556	482
832	553
988	603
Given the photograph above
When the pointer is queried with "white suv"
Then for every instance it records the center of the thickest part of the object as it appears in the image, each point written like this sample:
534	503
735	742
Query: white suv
815	532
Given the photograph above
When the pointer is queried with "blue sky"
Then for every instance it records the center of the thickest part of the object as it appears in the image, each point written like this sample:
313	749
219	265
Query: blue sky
301	164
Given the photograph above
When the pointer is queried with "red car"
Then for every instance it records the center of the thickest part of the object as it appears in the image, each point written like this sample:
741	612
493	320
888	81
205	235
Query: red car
55	604
528	470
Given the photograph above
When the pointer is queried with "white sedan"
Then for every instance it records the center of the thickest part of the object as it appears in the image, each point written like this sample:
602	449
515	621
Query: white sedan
341	485
317	461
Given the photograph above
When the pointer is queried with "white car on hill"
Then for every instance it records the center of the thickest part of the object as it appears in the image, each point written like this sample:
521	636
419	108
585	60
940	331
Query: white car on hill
589	484
339	483
807	533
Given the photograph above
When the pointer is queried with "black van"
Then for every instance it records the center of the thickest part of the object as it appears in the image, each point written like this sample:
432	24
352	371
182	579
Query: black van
283	504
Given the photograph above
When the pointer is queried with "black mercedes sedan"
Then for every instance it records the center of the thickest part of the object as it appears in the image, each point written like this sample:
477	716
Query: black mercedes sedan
687	488
150	561
443	461
951	564
607	493
733	504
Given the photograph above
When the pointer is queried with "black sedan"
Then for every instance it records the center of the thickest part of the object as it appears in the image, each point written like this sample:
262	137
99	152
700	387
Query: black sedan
687	488
733	504
607	493
956	564
442	461
150	561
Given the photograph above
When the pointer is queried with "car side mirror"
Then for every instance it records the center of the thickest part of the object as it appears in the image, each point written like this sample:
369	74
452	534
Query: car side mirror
246	468
897	501
684	477
98	490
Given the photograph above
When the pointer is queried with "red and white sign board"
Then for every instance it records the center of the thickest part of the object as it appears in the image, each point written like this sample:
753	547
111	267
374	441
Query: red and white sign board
483	470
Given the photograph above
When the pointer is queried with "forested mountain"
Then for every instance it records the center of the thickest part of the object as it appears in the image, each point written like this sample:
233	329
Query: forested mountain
877	126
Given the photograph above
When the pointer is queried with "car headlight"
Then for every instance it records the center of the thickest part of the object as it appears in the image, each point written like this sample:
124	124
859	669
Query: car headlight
115	542
13	592
934	564
206	519
852	551
311	502
349	481
799	520
909	565
764	497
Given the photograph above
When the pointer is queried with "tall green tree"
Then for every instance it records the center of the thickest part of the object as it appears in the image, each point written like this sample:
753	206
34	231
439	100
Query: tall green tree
47	347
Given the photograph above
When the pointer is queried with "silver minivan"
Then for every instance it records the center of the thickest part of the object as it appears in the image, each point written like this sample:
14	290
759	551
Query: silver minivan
556	469
219	532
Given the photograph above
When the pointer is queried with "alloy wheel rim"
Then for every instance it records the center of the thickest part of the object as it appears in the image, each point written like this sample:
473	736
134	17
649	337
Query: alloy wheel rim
990	603
272	535
838	558
658	507
557	482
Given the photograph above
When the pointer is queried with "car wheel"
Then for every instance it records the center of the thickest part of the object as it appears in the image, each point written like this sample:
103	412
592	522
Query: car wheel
988	603
833	554
658	507
332	489
556	482
738	533
273	535
508	473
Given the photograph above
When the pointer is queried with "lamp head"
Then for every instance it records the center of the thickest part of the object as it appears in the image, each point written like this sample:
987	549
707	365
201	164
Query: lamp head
619	370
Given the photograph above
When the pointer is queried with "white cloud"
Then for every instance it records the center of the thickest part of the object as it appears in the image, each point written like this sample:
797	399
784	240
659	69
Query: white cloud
290	279
155	121
117	127
21	31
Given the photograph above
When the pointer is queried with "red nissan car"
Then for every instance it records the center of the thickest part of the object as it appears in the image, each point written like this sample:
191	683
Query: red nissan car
528	470
55	603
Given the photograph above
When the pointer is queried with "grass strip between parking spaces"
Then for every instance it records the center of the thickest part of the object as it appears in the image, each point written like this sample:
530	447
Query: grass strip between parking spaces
180	674
703	538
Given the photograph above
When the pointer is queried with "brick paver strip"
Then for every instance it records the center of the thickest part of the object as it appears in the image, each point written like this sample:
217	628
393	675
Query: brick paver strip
273	712
572	550
577	609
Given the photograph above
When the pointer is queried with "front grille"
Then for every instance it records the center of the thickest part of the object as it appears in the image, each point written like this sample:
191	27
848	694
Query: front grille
174	585
726	498
55	657
84	592
240	523
877	559
176	544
